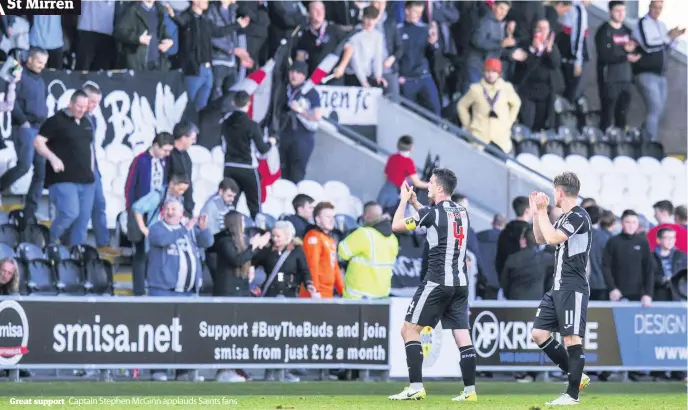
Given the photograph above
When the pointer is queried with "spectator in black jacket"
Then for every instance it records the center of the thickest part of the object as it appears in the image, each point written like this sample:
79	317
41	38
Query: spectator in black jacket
30	112
179	161
525	272
143	37
195	50
257	31
285	17
615	49
243	137
488	248
536	63
627	262
487	41
346	14
510	237
393	48
603	222
668	262
303	214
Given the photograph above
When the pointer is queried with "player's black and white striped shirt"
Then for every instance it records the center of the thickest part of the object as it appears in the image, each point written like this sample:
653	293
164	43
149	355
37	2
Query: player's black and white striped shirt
447	235
571	256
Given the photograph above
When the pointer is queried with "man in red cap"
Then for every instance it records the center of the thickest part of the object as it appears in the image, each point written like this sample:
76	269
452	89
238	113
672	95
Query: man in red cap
490	107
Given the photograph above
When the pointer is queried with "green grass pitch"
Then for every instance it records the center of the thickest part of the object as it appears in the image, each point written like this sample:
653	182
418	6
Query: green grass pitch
328	395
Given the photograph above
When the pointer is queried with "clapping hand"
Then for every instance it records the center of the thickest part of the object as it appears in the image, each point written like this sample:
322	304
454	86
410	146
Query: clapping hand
191	223
203	222
406	192
541	202
630	46
532	201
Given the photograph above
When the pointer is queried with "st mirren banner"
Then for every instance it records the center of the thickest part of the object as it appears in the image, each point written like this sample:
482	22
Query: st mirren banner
350	105
135	105
193	333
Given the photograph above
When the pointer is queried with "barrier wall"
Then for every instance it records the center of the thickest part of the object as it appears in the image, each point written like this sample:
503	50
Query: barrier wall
212	333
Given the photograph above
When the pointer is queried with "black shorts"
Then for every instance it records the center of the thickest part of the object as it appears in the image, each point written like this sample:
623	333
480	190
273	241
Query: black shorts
433	302
562	311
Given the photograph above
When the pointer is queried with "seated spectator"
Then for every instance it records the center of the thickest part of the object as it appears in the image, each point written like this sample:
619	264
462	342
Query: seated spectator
399	168
536	64
303	214
174	267
681	216
489	109
487	41
46	33
392	48
368	57
420	45
219	204
371	250
664	214
143	37
320	39
321	254
9	277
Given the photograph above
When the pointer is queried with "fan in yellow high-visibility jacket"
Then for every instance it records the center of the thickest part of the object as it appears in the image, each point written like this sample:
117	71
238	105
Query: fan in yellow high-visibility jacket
371	251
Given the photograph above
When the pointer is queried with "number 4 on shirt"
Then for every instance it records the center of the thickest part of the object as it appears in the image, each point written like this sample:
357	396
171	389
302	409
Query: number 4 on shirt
458	235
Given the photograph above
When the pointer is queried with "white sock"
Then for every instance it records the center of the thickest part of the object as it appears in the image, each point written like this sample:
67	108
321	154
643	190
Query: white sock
416	386
469	389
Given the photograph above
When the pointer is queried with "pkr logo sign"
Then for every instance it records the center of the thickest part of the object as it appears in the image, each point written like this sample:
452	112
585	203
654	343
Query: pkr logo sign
485	334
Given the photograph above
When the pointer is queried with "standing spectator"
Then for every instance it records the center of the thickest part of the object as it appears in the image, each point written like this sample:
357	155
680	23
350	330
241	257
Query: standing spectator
257	31
179	162
614	74
226	48
301	113
441	15
66	141
664	212
143	37
368	53
95	44
30	111
346	14
399	168
536	64
510	237
174	266
572	44
524	15
681	216
668	262
603	222
321	254
285	17
10	93
148	170
371	250
319	39
195	51
488	252
392	48
243	137
219	204
98	216
650	71
487	41
490	108
148	210
627	263
303	214
46	33
420	45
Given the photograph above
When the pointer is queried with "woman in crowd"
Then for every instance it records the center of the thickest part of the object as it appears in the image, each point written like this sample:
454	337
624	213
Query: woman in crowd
233	272
286	270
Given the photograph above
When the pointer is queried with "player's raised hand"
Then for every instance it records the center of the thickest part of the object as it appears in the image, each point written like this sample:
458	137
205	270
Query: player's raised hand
532	201
406	192
541	202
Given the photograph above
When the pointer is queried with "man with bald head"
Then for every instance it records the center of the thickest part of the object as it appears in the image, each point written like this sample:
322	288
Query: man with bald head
371	250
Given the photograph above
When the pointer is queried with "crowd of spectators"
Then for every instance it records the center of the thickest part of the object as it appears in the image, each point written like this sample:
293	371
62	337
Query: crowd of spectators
506	61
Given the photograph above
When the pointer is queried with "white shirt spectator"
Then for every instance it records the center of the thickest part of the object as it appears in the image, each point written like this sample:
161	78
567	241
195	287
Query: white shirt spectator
368	54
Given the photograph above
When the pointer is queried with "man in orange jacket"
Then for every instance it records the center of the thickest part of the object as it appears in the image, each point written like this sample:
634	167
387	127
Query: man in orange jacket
321	253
